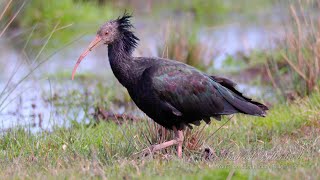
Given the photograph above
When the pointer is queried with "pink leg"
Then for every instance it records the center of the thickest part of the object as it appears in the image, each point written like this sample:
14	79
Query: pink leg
164	145
177	141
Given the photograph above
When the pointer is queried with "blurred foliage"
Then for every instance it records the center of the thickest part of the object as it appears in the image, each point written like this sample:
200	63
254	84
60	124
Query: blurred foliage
296	72
65	11
216	11
183	44
73	18
47	13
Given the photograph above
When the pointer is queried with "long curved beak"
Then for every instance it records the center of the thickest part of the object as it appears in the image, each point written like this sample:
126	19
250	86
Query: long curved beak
93	44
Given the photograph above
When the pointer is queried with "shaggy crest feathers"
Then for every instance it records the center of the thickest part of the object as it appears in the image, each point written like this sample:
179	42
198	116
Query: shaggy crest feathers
124	27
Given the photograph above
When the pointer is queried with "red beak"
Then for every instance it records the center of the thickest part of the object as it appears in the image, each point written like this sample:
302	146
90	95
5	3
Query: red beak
93	44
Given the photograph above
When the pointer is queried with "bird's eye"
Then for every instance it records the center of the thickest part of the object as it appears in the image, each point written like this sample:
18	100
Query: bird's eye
106	33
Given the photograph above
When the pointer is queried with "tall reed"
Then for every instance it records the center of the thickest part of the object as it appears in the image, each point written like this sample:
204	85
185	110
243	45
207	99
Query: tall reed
298	74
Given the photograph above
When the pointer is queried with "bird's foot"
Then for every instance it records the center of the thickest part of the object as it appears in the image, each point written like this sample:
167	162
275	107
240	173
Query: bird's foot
177	141
153	148
148	151
145	152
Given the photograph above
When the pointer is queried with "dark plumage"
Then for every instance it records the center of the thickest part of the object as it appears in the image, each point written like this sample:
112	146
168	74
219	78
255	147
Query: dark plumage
173	94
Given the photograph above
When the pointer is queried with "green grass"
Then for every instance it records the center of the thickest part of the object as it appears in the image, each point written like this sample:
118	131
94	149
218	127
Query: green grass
247	147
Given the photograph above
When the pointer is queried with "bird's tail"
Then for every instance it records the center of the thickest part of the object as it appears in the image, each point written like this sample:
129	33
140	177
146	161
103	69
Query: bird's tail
237	100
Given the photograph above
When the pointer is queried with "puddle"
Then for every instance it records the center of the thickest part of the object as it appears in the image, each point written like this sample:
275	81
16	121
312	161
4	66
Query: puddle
235	38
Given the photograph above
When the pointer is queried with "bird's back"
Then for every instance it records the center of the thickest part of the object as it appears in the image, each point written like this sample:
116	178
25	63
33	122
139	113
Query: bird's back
175	94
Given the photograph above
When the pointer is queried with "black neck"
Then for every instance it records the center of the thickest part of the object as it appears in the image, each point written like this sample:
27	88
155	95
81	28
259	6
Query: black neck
121	62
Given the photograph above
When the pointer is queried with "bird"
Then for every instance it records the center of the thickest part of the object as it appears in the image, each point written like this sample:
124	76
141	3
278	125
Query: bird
173	94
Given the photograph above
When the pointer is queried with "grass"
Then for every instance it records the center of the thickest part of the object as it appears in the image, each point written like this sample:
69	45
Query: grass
299	73
183	44
284	144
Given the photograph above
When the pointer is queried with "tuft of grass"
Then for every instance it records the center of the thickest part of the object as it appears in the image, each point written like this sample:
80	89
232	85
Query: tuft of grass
183	45
299	73
284	118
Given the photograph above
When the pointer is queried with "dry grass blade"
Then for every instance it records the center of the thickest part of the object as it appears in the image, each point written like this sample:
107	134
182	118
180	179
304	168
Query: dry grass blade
22	79
299	34
271	76
210	136
45	44
36	67
194	139
297	69
5	9
183	45
12	18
